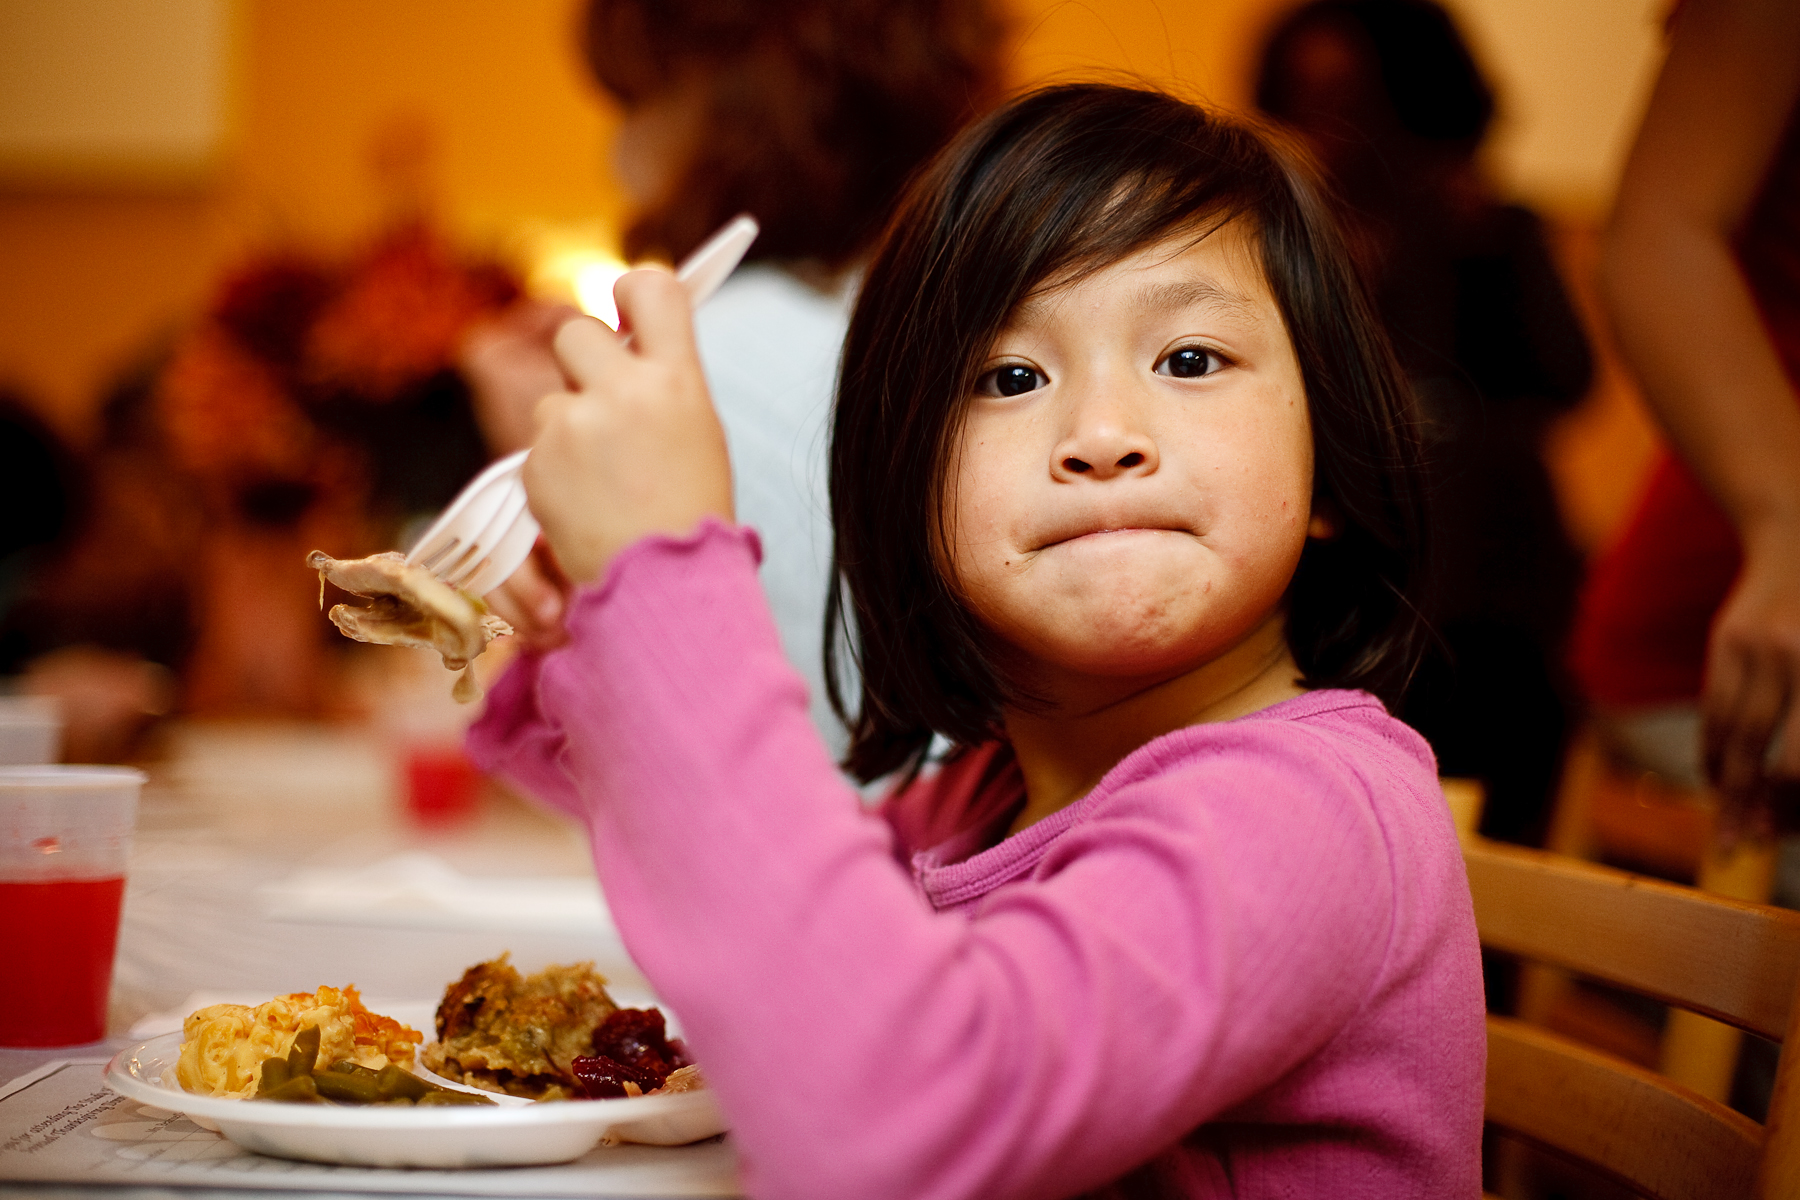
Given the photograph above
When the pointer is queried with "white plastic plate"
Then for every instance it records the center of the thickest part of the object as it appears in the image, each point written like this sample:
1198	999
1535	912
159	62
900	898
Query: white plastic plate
510	1134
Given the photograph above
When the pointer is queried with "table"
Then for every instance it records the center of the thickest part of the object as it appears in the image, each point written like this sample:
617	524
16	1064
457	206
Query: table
234	809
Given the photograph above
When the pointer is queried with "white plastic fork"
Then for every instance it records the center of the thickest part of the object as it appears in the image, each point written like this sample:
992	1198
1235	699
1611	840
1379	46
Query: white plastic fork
483	535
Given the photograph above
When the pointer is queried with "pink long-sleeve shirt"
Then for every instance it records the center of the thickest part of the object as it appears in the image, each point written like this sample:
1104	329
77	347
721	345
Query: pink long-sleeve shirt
1244	965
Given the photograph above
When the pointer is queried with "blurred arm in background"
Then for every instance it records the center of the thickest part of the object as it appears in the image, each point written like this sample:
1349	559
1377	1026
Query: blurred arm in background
1696	327
508	363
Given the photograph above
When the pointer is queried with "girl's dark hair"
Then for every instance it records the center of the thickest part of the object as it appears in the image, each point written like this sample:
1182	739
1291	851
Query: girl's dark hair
816	111
1056	185
1426	69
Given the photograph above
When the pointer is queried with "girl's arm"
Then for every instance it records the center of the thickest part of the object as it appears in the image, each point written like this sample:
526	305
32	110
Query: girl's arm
1690	328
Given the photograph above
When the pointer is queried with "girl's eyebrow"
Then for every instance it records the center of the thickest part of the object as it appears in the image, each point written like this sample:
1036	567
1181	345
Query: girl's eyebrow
1194	293
1154	298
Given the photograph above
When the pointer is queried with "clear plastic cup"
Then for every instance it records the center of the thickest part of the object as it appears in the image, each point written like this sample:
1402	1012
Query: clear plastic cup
30	730
65	833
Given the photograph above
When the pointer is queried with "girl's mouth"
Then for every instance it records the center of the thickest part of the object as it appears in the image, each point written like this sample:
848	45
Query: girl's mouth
1090	521
1107	531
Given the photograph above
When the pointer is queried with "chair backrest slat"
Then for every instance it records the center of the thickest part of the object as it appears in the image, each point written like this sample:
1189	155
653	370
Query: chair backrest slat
1658	1137
1737	962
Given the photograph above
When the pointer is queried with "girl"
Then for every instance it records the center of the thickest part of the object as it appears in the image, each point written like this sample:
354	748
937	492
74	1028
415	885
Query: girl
1124	507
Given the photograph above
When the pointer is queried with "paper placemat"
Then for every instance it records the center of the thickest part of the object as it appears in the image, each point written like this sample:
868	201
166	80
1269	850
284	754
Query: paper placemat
62	1124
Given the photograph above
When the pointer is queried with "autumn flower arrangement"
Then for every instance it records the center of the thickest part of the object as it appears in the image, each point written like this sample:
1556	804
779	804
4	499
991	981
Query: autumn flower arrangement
316	402
309	380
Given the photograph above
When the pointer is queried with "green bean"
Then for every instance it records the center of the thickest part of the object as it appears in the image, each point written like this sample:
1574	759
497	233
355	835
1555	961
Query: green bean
346	1087
299	1078
300	1088
395	1081
274	1073
303	1055
443	1097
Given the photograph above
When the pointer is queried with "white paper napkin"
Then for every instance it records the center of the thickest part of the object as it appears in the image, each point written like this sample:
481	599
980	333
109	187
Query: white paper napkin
419	890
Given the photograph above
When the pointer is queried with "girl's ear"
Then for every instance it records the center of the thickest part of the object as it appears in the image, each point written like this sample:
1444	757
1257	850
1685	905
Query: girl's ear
1325	523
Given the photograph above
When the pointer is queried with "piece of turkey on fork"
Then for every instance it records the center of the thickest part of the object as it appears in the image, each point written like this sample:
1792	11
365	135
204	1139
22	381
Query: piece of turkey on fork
408	606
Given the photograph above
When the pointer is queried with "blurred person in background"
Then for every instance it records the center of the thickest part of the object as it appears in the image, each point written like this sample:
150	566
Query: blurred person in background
1388	98
43	489
809	115
1689	634
86	614
314	403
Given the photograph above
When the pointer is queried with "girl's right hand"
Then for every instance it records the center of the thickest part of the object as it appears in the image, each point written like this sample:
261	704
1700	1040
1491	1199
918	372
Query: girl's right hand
638	450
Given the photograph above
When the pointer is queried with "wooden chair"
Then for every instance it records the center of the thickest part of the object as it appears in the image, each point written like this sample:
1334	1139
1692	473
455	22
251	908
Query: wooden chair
1606	808
1730	960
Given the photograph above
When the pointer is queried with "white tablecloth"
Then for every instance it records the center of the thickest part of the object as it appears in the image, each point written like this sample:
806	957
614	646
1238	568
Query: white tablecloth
276	858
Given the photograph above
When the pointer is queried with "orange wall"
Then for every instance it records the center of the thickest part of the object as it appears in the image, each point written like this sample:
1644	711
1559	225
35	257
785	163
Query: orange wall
489	104
491	97
499	87
85	282
1202	50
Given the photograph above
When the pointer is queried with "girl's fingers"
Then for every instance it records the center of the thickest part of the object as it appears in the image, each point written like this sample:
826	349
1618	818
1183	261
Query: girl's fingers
543	561
533	601
654	306
588	351
510	609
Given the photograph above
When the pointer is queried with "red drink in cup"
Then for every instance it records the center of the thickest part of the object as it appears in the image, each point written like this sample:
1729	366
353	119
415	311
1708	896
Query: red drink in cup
58	940
64	836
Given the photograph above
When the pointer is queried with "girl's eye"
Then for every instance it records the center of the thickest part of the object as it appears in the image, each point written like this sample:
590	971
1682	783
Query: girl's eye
1190	362
1010	380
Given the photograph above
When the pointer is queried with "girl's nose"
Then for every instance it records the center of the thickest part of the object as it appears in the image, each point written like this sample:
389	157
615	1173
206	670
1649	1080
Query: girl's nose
1104	445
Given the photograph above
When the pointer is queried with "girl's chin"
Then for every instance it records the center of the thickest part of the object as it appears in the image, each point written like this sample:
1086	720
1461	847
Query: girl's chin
1103	650
1141	605
1133	633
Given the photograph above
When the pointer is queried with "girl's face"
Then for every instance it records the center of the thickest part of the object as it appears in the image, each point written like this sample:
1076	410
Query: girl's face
1132	485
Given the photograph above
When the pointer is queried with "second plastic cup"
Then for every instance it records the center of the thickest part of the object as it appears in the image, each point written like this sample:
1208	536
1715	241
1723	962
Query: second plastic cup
30	730
65	833
442	785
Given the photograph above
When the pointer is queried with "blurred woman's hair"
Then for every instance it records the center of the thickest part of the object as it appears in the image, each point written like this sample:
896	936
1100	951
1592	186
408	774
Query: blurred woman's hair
1429	76
1058	185
815	112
